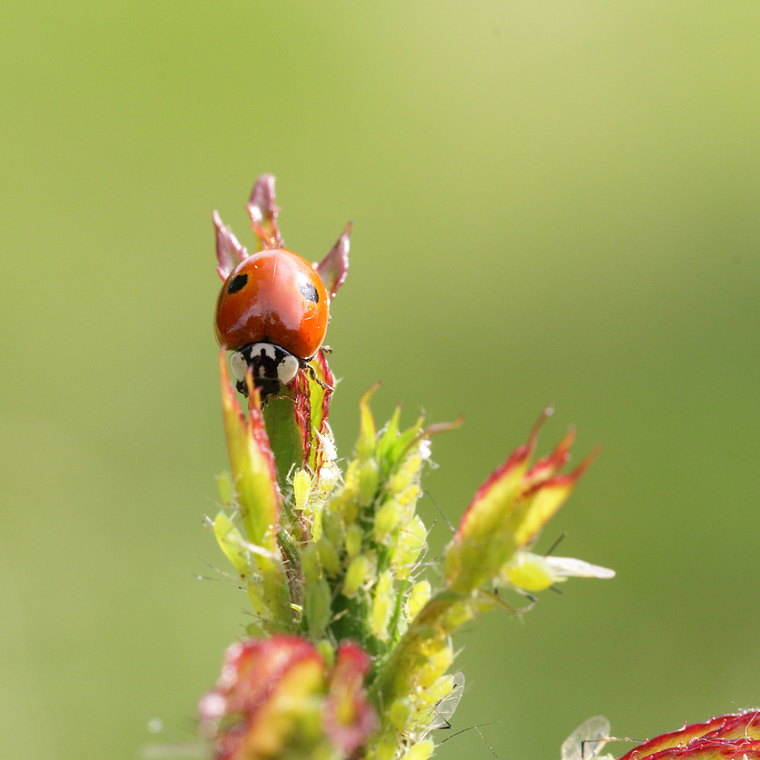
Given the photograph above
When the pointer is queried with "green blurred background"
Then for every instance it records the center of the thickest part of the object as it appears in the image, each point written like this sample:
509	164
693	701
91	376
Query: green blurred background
553	201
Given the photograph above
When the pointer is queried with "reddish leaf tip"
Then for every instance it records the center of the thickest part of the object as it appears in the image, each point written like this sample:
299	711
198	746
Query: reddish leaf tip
229	251
333	269
263	211
254	394
586	462
229	399
349	717
261	203
547	412
441	427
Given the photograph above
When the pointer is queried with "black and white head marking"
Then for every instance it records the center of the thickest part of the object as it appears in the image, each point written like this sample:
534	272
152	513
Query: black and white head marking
238	366
271	365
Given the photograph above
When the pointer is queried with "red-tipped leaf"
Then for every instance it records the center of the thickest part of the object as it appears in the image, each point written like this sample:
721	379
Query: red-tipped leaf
229	251
349	716
263	211
333	268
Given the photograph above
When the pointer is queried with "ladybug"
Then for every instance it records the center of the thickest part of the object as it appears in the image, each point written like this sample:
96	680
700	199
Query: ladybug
272	311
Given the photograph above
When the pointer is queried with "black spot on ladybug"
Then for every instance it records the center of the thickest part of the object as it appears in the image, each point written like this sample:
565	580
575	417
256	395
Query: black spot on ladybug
309	292
237	283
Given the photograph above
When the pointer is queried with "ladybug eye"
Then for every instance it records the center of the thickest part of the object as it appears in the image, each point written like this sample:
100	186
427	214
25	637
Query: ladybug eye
308	291
238	366
237	283
287	368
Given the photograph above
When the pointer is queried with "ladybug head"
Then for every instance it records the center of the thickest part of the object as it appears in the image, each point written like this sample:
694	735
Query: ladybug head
270	364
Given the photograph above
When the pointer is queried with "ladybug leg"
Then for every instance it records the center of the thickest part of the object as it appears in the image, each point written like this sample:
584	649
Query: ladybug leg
318	380
315	377
327	349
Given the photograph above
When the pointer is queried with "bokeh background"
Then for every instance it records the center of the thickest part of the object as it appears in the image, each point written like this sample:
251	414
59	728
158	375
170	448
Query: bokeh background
553	201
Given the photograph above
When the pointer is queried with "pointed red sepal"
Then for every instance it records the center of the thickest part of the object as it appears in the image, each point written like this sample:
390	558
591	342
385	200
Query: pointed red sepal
257	428
229	251
333	268
252	462
250	672
547	466
311	406
349	717
508	511
739	726
541	500
275	698
507	478
722	738
263	212
234	420
713	749
268	692
485	538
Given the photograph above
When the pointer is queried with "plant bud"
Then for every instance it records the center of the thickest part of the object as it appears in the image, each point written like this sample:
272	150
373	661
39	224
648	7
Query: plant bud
317	606
417	599
387	519
328	556
354	536
382	606
369	475
356	574
312	572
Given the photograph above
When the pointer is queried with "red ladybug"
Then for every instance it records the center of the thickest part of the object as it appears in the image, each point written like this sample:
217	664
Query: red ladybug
273	312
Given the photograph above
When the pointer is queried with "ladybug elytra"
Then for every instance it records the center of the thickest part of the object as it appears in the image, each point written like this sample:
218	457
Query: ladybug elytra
272	311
